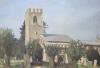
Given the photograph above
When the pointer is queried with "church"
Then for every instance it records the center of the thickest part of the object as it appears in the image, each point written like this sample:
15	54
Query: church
35	30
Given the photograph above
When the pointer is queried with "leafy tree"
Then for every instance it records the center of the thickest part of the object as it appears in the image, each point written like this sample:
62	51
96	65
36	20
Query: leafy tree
16	49
93	54
1	46
35	51
75	51
7	41
1	43
52	52
22	32
20	43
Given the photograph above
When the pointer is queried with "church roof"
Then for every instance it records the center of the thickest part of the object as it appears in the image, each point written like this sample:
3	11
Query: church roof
57	38
91	43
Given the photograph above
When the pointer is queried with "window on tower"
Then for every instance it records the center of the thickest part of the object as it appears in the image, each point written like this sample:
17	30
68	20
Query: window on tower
35	19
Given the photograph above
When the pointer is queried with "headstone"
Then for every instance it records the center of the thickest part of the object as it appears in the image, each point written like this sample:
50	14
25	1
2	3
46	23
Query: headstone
95	63
82	60
44	55
85	62
66	58
56	58
79	62
31	59
89	64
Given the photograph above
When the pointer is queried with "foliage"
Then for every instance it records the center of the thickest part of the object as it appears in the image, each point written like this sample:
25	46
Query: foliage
52	51
6	44
22	39
19	47
35	51
93	54
6	41
22	32
75	51
1	43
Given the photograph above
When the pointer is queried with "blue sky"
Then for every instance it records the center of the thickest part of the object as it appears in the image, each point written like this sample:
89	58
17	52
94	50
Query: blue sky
79	19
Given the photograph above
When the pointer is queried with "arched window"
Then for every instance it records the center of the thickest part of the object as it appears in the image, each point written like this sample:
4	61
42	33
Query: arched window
34	19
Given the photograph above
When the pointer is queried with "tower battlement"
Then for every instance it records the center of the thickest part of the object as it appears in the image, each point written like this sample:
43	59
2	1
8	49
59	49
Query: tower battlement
35	11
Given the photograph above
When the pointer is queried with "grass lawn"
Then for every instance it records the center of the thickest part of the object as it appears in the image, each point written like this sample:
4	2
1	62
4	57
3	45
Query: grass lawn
80	66
14	63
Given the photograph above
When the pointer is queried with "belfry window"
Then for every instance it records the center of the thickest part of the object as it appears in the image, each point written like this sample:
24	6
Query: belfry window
35	19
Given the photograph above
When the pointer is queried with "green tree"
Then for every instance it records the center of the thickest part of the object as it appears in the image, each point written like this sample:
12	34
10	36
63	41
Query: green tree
22	32
19	47
75	51
93	54
7	41
52	51
21	41
1	43
36	51
1	46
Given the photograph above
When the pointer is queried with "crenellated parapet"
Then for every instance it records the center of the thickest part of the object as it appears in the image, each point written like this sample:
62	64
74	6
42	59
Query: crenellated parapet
39	11
34	11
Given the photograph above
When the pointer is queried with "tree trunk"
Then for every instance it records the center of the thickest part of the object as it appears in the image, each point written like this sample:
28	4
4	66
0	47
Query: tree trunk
27	61
51	63
7	61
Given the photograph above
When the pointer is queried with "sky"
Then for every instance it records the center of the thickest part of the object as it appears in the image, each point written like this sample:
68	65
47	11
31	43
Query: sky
79	19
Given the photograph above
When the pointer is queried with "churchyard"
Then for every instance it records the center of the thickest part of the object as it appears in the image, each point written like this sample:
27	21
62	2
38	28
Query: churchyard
19	64
74	52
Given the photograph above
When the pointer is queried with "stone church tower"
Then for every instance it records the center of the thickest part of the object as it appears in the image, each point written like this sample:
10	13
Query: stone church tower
33	25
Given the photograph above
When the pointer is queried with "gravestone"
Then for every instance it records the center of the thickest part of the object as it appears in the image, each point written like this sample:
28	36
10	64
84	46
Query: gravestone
95	63
85	62
89	64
